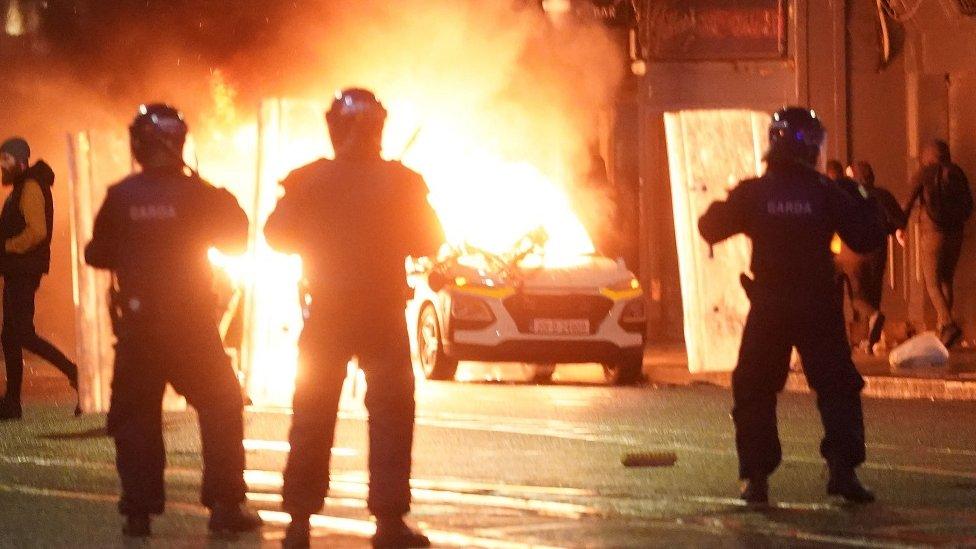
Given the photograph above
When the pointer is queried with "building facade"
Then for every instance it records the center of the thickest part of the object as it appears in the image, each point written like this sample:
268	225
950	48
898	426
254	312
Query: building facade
886	76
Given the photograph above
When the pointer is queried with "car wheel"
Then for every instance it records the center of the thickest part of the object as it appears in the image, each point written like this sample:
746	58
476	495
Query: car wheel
626	371
542	373
435	364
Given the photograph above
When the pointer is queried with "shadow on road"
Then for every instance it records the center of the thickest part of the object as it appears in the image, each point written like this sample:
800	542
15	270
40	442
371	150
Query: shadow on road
96	432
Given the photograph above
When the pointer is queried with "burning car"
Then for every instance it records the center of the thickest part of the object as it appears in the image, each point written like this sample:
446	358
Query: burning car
471	304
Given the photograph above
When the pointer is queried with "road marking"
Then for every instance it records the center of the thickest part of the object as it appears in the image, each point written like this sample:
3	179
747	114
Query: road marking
282	446
910	469
366	528
351	503
270	479
926	449
545	427
361	528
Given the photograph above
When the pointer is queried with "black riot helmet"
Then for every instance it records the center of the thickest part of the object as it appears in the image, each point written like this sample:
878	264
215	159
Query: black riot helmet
795	133
157	135
355	122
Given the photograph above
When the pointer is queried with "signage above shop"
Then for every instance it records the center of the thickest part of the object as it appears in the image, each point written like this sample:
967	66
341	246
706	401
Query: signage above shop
715	30
613	13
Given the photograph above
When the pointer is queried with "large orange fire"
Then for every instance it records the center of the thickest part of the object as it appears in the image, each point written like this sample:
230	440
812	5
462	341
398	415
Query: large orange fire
481	199
499	134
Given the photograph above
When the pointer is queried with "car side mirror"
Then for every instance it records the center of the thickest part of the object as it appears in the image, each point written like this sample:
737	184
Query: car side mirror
436	280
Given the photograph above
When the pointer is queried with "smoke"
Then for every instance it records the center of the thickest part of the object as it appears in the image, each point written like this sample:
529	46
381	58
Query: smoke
486	81
505	100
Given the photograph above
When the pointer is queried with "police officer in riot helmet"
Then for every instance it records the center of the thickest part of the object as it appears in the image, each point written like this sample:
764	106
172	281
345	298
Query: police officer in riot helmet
791	213
354	220
153	233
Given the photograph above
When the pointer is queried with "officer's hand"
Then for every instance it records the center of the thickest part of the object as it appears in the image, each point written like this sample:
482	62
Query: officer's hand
900	237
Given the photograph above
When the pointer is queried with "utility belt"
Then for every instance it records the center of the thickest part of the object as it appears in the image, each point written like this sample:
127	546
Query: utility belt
760	290
129	310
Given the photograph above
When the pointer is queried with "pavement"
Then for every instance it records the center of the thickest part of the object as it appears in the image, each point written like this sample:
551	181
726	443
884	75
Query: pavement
514	465
956	380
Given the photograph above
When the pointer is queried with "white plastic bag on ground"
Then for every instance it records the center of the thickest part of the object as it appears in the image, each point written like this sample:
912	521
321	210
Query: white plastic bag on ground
925	349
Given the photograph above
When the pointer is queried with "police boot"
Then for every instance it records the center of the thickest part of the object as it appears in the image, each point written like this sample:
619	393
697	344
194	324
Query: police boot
10	409
228	520
755	491
843	482
393	533
136	526
298	533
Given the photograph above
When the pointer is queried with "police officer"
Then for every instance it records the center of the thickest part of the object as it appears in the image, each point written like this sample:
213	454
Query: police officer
353	220
791	214
153	232
26	223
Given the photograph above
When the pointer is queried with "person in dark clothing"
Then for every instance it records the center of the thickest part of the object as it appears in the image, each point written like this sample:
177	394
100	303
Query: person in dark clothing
790	214
942	190
26	223
834	170
354	220
865	272
153	232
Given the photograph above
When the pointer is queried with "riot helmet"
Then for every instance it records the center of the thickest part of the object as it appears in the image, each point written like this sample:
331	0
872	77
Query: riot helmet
355	122
157	135
795	133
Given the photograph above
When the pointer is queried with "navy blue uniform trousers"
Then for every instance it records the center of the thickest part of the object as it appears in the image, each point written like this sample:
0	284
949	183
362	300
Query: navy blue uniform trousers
384	356
192	360
817	329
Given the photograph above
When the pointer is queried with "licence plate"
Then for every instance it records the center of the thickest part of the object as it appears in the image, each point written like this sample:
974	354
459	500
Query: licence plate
560	327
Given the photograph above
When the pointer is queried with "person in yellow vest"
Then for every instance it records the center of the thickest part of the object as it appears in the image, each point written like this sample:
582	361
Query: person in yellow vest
26	222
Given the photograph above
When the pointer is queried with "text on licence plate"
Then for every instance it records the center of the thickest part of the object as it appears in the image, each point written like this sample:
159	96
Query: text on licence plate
559	326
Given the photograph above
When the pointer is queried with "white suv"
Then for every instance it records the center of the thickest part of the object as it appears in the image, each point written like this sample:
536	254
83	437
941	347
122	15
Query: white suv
474	305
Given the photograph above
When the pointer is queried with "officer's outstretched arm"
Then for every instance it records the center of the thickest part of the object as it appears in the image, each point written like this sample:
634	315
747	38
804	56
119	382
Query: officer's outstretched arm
100	251
231	224
858	222
724	219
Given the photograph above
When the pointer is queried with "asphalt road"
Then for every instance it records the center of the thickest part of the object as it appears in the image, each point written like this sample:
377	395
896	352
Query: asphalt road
517	465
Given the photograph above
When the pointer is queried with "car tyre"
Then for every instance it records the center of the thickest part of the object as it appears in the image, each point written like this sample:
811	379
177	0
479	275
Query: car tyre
625	371
542	373
430	347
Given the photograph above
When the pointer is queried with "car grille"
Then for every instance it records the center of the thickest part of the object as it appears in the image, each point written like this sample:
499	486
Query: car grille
524	308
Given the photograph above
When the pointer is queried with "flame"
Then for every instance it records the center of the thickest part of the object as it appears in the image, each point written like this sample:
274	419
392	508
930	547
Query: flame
486	200
497	123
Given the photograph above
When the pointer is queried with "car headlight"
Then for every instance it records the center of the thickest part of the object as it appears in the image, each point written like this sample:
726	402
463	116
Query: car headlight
483	286
627	288
470	312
